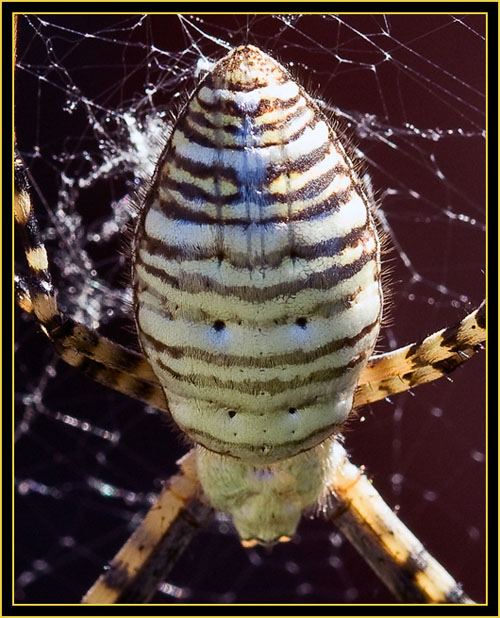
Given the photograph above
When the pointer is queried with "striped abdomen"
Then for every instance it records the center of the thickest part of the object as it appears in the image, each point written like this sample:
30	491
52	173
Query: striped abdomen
256	273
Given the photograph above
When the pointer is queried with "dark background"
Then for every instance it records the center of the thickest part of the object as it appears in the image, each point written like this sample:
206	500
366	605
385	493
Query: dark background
424	450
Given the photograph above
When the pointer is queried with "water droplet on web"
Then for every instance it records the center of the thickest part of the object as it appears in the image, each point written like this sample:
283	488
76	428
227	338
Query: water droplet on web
304	588
478	456
474	533
429	495
335	539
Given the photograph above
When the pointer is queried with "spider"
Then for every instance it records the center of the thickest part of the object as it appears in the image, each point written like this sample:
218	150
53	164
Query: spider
170	524
107	363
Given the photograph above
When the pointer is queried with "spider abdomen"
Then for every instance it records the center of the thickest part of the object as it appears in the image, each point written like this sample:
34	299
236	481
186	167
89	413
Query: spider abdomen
256	267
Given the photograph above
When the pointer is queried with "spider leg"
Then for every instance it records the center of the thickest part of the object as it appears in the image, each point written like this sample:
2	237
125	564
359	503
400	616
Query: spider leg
152	550
72	335
435	356
143	390
39	291
108	373
106	361
387	545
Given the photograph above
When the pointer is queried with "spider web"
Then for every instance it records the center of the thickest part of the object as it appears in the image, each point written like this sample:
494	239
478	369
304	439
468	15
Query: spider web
94	95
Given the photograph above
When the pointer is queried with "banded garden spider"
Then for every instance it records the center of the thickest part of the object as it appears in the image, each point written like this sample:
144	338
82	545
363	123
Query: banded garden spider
413	575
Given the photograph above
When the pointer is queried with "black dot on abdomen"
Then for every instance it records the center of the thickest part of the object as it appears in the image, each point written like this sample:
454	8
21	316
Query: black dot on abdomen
218	325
